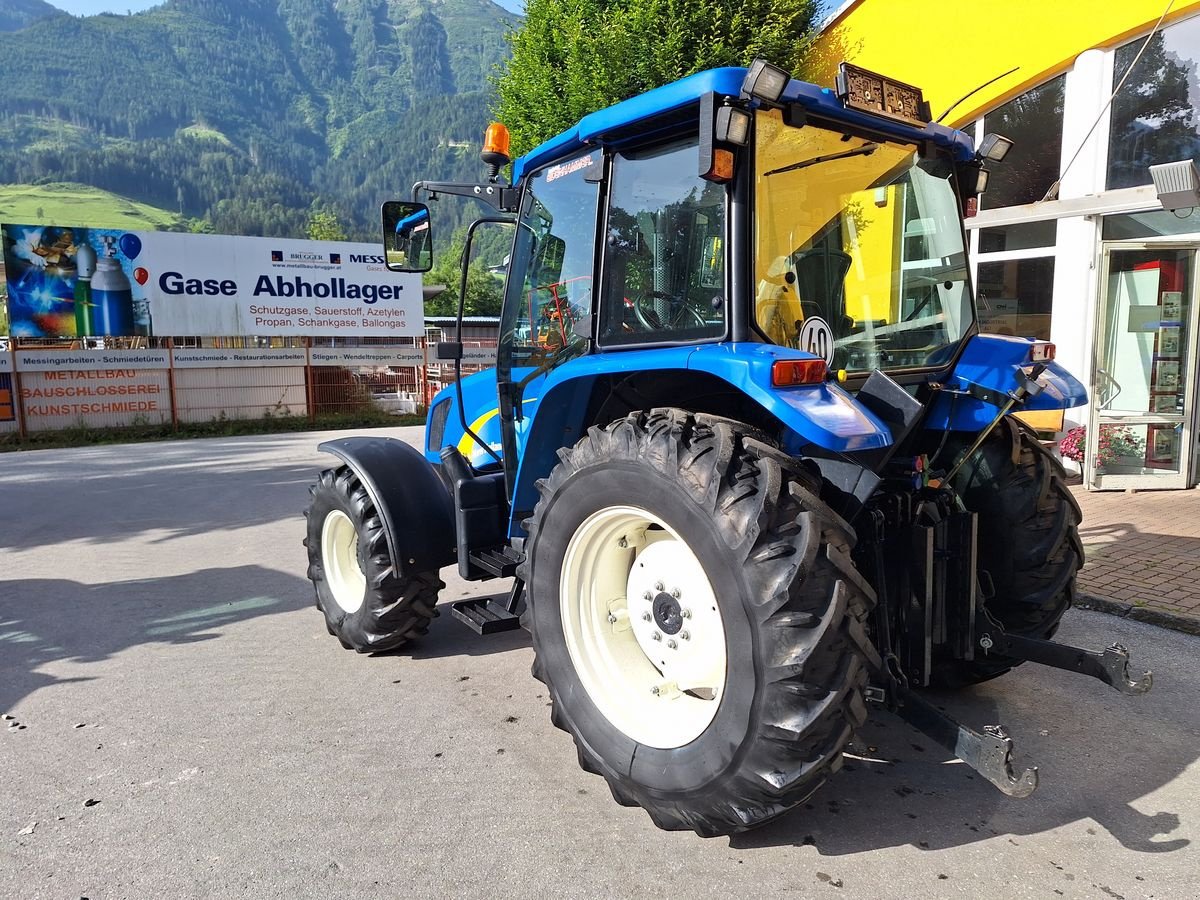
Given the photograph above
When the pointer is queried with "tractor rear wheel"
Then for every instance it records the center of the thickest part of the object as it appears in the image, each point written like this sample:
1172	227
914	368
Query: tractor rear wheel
366	605
697	619
1028	542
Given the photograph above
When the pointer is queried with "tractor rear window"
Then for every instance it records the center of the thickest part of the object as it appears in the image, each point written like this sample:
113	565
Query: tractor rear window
859	254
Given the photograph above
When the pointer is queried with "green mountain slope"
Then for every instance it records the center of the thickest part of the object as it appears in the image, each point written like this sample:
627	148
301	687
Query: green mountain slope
248	113
71	204
17	14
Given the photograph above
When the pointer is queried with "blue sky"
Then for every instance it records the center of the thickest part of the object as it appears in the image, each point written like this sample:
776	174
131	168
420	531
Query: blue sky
92	7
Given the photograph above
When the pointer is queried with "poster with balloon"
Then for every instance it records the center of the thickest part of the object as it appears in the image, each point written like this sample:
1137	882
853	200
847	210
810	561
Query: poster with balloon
94	282
72	282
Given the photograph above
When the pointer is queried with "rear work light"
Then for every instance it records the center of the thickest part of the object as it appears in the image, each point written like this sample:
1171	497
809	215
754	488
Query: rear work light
792	372
1043	351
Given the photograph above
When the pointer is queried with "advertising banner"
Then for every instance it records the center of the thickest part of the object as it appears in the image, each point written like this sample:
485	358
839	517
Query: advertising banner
229	359
366	356
74	282
90	360
55	400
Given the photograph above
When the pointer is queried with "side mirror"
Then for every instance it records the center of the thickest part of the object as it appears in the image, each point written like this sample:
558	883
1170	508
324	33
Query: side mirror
712	266
407	237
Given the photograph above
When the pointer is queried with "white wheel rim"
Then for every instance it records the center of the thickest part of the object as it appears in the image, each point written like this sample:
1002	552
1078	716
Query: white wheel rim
642	627
339	558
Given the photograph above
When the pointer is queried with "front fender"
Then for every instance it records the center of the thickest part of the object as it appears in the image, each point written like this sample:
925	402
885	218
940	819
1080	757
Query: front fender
414	506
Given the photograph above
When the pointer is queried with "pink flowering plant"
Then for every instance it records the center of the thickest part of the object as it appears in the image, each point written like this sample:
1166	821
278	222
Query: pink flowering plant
1115	441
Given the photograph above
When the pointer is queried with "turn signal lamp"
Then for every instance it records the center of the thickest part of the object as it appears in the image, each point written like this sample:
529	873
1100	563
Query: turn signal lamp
496	144
1043	351
793	372
721	169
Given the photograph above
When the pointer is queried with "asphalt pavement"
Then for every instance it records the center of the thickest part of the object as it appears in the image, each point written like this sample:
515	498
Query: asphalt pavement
182	726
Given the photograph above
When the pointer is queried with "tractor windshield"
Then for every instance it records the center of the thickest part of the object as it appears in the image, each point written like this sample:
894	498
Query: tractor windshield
859	253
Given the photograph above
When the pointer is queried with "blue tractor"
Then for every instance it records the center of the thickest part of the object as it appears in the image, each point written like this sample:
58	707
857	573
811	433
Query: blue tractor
744	450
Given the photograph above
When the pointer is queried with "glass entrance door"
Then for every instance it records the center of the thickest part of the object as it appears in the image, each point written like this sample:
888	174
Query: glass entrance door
1140	435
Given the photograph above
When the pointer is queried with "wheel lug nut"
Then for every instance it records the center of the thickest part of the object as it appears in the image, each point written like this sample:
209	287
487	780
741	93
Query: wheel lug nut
623	543
656	690
686	613
647	596
612	620
658	585
676	593
657	636
671	645
646	617
684	636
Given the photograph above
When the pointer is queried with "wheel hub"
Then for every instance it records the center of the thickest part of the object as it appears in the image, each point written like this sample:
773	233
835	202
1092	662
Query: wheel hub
667	614
341	558
642	627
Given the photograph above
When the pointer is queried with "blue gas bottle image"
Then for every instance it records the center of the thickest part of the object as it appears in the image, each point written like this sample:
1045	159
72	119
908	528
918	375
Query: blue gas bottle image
112	299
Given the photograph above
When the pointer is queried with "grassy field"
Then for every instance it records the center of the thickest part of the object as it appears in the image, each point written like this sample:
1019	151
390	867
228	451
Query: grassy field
78	204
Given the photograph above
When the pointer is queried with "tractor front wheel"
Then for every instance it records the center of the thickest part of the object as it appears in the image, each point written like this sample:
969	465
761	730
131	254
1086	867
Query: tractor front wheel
697	619
367	606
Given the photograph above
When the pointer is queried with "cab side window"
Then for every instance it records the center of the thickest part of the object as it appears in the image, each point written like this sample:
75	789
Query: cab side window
664	253
553	259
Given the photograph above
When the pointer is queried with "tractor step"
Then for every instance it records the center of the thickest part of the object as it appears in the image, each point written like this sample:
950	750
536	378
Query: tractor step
501	562
483	615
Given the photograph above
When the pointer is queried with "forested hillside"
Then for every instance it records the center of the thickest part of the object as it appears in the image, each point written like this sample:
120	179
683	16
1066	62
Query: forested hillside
16	14
244	115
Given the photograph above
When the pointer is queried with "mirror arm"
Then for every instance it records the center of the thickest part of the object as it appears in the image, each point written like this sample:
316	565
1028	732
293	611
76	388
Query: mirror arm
498	196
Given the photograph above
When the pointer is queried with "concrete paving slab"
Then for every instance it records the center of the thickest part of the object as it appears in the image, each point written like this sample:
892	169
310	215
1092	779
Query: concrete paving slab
190	730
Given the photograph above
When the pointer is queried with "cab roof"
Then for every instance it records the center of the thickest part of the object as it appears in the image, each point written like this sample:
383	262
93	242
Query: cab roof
600	127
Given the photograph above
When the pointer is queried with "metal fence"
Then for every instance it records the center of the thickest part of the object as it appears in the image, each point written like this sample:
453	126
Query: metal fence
53	389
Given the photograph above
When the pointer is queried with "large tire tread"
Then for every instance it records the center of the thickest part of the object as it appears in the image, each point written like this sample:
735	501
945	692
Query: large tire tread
1028	542
810	605
395	610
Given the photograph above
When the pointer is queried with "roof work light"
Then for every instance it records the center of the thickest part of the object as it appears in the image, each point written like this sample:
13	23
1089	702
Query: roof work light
764	81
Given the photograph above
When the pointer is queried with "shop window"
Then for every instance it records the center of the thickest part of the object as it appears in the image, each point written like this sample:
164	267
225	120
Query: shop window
1015	297
1154	116
1034	122
1023	236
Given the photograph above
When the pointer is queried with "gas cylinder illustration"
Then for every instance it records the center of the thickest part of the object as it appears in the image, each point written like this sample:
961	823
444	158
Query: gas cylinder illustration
112	294
85	268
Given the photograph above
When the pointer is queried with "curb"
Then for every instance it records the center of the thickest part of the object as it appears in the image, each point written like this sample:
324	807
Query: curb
1173	621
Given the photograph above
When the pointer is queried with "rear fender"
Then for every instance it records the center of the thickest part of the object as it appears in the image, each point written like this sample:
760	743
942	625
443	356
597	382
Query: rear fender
990	362
821	414
413	504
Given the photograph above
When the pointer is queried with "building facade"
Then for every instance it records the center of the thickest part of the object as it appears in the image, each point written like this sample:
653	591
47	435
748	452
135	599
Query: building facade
1072	242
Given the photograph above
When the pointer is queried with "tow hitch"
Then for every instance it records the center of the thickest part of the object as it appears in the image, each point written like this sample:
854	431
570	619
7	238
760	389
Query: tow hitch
989	752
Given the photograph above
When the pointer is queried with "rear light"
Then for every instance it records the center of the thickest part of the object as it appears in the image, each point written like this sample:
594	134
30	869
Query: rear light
1043	351
791	372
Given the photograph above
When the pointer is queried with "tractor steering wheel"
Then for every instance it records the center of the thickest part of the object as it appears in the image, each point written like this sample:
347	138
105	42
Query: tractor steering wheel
667	314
